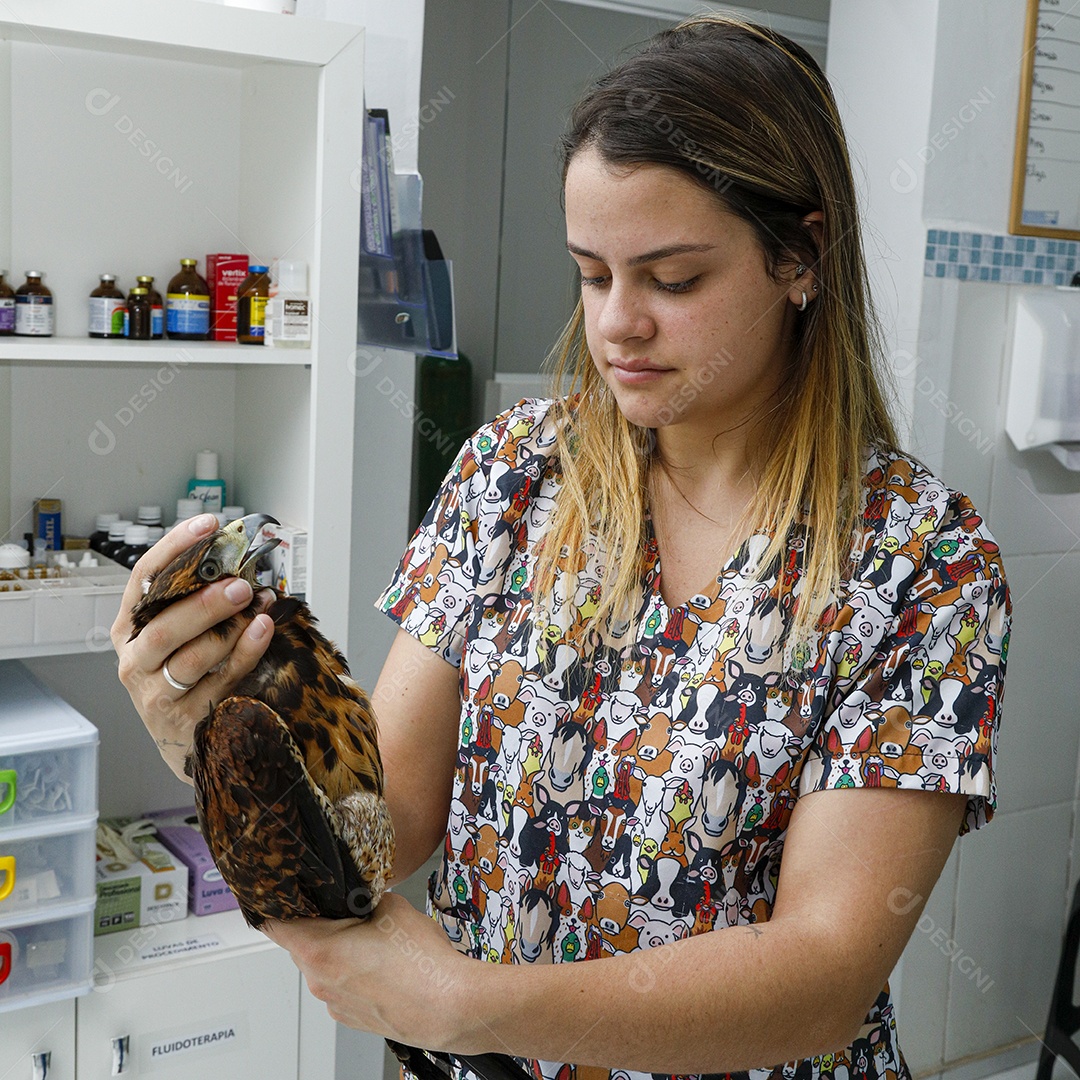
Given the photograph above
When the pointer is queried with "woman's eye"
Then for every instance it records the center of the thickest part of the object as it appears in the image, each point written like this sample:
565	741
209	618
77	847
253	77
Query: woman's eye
595	282
676	286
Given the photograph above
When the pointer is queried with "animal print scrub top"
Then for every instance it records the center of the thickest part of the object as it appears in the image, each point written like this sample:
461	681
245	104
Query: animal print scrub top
607	801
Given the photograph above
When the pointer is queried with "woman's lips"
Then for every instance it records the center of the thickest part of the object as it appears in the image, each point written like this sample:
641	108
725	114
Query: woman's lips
637	372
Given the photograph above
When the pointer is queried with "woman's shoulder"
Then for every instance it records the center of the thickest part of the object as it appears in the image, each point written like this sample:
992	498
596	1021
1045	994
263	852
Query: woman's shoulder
516	435
912	516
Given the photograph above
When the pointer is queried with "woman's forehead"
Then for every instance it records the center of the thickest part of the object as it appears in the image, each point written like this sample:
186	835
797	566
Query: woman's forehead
621	212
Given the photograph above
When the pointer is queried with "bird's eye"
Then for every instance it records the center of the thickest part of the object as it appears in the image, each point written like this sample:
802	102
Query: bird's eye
209	570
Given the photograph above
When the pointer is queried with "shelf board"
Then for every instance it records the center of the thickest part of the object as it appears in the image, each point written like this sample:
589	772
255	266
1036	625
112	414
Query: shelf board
63	648
179	30
165	351
146	949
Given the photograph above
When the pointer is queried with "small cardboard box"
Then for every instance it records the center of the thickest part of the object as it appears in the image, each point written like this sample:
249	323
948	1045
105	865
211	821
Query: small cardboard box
224	275
179	831
47	522
150	890
288	561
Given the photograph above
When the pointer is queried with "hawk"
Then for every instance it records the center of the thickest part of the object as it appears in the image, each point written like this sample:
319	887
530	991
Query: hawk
288	778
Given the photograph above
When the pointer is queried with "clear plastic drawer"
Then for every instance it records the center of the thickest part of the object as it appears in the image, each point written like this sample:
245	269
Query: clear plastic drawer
48	756
46	961
46	869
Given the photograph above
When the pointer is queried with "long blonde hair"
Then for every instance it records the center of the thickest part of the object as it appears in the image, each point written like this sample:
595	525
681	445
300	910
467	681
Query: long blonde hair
748	114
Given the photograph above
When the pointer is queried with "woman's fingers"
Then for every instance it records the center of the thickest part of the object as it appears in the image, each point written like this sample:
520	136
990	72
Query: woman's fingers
215	663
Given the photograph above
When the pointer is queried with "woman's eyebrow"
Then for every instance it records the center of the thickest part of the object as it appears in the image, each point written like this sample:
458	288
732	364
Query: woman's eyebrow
648	256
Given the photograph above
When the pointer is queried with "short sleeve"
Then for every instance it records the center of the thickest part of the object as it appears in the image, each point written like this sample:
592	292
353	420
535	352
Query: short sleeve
432	593
923	710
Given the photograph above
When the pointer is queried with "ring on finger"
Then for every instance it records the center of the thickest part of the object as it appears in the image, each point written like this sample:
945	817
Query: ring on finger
176	684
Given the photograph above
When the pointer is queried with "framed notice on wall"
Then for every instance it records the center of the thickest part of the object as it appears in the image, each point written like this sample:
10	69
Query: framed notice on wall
1046	170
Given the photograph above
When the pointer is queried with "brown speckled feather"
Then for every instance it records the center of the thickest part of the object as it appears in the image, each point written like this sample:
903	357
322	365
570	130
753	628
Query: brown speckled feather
276	843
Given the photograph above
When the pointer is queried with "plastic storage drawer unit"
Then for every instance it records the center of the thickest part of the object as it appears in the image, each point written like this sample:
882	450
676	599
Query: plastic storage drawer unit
48	756
47	867
44	961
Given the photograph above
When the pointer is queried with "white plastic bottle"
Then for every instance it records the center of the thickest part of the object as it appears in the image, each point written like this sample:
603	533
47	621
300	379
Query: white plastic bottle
206	485
288	311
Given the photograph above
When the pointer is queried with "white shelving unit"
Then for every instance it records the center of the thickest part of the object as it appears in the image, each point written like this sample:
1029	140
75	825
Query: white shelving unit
140	134
133	134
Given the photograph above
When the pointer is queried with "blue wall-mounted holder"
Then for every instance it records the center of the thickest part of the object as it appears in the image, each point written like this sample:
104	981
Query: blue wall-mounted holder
406	296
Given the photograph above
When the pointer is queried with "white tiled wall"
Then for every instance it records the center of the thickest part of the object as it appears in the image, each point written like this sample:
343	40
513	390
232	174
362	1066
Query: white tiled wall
1003	896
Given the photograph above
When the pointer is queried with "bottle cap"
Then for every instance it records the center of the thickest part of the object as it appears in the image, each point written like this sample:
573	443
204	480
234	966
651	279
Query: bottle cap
148	278
232	513
257	269
103	521
206	465
108	277
292	276
140	292
149	515
117	528
189	262
33	273
188	508
154	533
136	536
88	559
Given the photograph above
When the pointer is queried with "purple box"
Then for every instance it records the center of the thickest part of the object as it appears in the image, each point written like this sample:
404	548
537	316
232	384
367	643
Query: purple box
178	830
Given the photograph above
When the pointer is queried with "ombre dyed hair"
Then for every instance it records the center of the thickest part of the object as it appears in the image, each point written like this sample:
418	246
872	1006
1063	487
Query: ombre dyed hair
749	115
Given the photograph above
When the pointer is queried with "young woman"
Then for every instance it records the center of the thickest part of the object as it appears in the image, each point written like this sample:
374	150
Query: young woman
698	674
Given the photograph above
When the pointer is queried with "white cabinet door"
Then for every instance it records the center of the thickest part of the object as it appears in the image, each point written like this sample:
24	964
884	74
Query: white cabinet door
235	1017
40	1030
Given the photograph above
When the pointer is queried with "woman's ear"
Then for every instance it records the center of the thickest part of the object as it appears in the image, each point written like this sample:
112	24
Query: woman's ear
815	222
804	285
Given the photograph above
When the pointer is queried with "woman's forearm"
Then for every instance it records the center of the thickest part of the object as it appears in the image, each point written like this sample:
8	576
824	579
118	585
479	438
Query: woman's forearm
739	998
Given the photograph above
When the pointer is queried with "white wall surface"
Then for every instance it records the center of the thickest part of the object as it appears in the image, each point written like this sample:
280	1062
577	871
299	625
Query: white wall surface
933	117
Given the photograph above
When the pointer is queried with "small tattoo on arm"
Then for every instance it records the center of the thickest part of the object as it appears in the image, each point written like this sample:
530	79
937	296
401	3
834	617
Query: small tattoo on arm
755	930
164	743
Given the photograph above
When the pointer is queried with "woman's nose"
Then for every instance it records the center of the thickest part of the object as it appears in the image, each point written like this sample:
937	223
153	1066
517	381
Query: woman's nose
623	315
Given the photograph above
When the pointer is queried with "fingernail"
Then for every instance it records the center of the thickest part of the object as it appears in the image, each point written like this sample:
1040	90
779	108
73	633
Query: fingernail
257	630
202	524
238	591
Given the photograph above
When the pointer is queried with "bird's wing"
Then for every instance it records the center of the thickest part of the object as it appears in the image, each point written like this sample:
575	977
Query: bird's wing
273	834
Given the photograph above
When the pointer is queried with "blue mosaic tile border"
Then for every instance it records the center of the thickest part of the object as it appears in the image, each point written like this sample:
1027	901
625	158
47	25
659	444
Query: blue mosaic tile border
1017	260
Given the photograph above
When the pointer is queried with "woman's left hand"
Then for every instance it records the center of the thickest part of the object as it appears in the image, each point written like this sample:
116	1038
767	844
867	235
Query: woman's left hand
396	974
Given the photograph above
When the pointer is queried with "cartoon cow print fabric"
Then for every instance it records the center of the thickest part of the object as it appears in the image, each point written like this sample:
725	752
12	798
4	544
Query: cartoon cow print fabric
607	801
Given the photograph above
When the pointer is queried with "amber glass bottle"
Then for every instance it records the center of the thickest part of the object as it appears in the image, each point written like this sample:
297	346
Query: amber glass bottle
138	315
34	315
187	305
251	300
107	309
157	308
7	307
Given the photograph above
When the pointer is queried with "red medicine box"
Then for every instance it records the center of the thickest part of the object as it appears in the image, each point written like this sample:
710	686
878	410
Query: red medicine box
224	274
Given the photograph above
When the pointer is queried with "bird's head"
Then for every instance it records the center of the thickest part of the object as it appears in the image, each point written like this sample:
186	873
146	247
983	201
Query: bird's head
232	551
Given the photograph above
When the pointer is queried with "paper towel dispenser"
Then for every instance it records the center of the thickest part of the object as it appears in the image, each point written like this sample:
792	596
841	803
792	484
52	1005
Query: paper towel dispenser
1043	410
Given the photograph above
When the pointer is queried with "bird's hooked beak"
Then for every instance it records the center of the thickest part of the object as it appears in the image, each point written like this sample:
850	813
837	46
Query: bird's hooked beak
235	550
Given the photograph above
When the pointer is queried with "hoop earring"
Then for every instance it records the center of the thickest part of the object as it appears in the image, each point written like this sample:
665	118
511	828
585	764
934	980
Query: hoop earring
802	306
